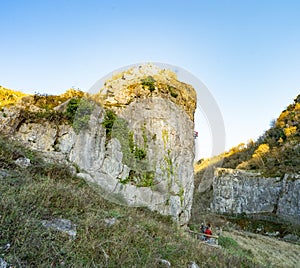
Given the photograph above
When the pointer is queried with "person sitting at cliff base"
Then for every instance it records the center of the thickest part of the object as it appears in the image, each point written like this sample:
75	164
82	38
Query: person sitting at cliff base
207	232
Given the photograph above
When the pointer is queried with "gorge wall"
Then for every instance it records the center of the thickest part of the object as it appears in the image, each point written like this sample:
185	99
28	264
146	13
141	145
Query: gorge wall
134	138
237	191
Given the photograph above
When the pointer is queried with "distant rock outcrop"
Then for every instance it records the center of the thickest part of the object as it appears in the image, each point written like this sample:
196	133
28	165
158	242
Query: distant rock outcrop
257	177
237	191
134	139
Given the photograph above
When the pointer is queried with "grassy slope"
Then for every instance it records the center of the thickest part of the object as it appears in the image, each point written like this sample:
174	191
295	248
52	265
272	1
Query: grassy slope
46	191
139	238
266	249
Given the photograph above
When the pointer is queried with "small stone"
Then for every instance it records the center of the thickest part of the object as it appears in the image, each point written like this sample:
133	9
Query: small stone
3	263
23	162
6	247
3	174
62	225
274	234
110	222
165	263
193	265
291	237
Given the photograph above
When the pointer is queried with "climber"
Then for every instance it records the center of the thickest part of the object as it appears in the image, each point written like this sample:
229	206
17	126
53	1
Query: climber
207	232
202	230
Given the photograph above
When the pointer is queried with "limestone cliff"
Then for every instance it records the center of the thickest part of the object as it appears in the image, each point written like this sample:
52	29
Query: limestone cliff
238	191
134	138
260	176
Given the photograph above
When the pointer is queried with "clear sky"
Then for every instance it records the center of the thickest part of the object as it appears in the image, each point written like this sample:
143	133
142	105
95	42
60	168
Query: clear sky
246	52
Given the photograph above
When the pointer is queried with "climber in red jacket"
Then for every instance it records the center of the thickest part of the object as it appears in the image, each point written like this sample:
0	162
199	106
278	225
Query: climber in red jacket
208	232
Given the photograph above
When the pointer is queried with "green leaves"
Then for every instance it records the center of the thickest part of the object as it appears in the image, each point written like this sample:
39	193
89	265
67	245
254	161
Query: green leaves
149	82
78	113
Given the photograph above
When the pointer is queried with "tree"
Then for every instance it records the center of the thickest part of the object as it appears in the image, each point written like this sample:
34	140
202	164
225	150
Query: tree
260	152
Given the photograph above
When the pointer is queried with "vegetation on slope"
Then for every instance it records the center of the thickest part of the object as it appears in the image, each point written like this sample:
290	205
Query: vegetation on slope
9	97
45	191
72	107
275	153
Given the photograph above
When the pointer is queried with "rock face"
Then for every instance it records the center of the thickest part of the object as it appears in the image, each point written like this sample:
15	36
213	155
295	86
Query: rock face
145	158
143	82
237	191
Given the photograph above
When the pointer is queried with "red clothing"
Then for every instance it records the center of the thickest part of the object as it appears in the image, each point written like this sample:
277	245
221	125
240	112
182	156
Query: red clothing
208	232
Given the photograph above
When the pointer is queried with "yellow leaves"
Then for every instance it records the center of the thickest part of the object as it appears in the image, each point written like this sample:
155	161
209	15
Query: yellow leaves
290	131
240	147
9	97
72	93
261	150
281	119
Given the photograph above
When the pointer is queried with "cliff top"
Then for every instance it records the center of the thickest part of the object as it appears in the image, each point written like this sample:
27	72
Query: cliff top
146	81
136	83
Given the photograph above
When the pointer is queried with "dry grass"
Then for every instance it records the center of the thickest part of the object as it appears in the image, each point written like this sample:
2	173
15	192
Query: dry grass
139	237
267	250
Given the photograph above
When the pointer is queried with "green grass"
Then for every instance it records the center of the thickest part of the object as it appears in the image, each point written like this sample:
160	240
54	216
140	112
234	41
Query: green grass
149	82
43	191
233	247
268	222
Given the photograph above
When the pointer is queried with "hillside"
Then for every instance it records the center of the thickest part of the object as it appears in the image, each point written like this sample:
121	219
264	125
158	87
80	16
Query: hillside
104	234
257	186
260	177
101	233
52	218
9	96
275	153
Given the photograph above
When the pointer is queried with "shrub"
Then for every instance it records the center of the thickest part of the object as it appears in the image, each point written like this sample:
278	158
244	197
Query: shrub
172	91
149	82
81	117
72	108
290	131
108	123
261	151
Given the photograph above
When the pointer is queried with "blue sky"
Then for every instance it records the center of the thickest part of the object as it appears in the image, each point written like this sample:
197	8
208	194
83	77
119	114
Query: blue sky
246	52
